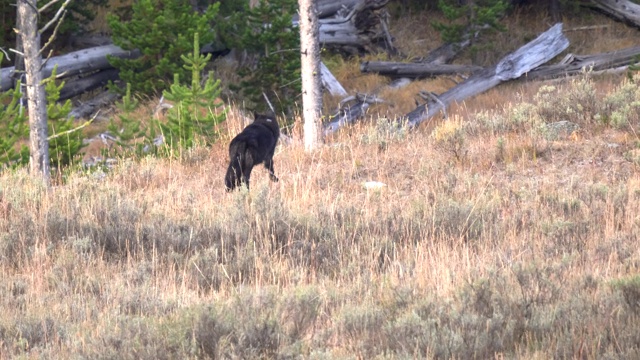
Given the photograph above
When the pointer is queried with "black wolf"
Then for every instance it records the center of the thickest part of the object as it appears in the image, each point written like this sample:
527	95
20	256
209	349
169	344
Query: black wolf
254	145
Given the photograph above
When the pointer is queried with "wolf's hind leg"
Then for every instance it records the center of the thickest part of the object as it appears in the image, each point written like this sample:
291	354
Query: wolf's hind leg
268	163
233	177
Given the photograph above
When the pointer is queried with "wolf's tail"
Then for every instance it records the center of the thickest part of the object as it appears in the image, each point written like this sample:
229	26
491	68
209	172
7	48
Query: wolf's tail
237	155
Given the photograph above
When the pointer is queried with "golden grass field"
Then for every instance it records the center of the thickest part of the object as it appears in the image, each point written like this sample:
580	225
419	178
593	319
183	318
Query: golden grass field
495	236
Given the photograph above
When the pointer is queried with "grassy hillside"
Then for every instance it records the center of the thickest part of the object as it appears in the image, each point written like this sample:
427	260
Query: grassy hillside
499	233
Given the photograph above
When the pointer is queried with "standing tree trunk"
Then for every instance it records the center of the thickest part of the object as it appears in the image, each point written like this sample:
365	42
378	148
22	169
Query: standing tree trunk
19	63
554	11
36	98
311	75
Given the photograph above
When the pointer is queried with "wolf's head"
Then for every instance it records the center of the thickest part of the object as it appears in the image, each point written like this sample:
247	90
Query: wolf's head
269	120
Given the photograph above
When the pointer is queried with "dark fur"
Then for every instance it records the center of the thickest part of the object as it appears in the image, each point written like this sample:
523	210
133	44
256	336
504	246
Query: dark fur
254	145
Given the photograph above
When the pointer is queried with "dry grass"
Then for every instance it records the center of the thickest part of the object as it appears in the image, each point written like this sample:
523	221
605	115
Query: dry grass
513	246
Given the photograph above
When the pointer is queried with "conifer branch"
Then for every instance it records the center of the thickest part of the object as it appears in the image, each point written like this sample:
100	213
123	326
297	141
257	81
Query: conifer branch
74	129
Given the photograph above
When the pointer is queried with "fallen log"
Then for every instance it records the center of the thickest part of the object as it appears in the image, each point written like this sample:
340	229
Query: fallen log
537	52
575	64
328	8
350	110
445	53
89	108
362	29
75	87
330	83
414	70
621	10
353	108
74	63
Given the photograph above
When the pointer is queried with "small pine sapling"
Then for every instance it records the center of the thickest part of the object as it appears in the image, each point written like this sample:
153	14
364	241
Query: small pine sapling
129	135
13	128
65	140
267	33
469	18
197	109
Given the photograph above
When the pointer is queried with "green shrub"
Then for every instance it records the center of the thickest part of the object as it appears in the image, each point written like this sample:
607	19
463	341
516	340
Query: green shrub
129	135
197	109
577	102
384	132
469	17
163	31
192	119
65	139
630	289
621	107
267	33
13	127
449	137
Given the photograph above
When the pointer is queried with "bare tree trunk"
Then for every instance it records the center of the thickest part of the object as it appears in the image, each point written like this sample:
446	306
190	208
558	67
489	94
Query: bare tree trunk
554	10
18	74
311	74
36	98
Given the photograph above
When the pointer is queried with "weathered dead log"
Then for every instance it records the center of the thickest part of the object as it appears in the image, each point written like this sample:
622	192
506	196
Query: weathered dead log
362	29
445	53
330	83
74	63
537	52
89	108
575	64
351	109
75	87
85	41
414	70
327	8
621	10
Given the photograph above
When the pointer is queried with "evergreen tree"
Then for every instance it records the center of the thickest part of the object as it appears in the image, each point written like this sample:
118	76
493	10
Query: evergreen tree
266	32
65	139
195	112
65	142
163	31
79	15
471	16
13	128
634	67
128	132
